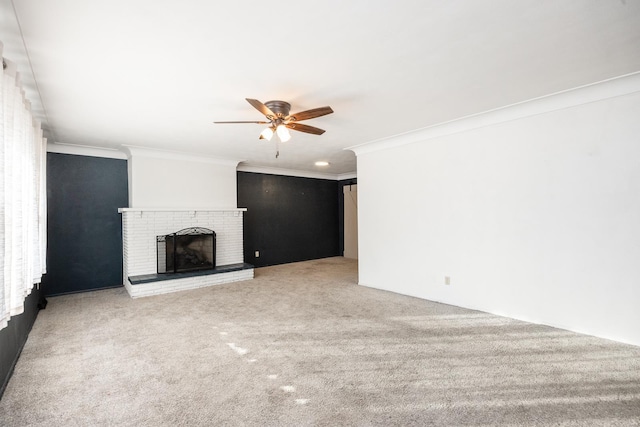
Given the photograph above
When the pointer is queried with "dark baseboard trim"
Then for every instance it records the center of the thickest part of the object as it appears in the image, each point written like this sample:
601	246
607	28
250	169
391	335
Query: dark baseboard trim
21	334
13	366
84	290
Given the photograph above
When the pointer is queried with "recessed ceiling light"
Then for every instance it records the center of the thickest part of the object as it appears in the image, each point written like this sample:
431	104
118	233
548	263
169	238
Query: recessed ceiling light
322	163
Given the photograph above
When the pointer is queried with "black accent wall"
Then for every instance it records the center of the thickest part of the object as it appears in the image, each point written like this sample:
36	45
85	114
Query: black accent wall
84	250
288	219
14	335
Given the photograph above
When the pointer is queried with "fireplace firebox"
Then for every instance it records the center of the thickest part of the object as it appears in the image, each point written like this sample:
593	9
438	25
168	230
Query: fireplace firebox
190	249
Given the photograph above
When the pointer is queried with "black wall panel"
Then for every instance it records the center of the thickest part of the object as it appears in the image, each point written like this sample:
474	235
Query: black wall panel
288	219
14	335
84	227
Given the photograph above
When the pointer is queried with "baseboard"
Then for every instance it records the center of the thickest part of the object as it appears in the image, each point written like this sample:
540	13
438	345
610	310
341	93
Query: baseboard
5	383
85	290
22	332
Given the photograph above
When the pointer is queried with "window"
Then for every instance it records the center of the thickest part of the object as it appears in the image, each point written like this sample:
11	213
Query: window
22	196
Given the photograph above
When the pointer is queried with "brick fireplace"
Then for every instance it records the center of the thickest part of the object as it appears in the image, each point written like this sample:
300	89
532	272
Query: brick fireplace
140	229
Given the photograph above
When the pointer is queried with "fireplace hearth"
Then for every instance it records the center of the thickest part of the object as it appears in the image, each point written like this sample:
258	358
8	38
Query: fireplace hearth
141	228
190	249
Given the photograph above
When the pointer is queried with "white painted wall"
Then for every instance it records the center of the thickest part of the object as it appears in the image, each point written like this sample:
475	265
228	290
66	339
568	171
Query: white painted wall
160	179
533	211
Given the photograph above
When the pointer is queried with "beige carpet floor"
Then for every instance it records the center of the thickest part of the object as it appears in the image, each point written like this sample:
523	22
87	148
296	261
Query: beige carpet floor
303	344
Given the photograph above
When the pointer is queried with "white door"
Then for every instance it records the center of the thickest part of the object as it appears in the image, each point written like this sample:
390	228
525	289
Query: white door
350	221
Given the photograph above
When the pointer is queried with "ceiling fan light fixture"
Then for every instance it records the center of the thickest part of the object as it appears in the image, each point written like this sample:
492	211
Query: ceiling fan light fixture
283	133
280	121
267	134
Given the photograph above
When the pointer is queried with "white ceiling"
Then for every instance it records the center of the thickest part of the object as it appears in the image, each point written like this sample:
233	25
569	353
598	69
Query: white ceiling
158	73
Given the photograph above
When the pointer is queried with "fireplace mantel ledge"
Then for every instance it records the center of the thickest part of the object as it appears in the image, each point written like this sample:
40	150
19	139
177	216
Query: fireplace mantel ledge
121	210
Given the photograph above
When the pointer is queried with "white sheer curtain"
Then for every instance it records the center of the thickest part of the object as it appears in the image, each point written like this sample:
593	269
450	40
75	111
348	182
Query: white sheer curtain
22	196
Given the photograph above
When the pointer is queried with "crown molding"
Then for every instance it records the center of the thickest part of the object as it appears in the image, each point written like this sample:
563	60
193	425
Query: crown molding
618	86
350	175
85	150
293	172
137	151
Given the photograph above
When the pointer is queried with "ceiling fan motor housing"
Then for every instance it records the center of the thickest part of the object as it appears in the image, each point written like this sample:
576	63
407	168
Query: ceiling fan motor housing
280	108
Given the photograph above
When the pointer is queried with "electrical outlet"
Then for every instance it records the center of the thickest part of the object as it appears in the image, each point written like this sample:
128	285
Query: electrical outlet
257	254
447	280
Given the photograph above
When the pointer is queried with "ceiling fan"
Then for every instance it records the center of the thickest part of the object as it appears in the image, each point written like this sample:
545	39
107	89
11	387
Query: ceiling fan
279	119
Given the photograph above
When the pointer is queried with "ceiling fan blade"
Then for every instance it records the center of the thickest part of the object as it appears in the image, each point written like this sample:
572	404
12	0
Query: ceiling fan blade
260	123
305	128
310	114
262	108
